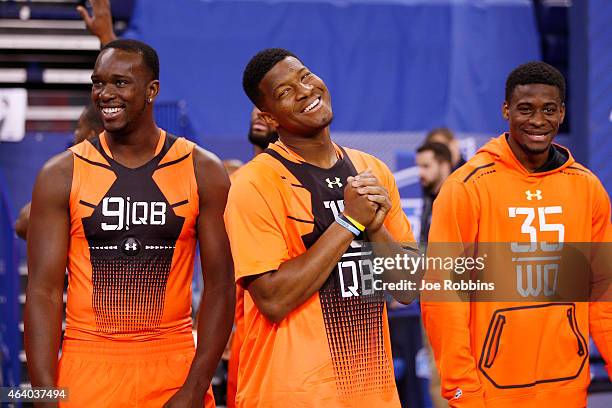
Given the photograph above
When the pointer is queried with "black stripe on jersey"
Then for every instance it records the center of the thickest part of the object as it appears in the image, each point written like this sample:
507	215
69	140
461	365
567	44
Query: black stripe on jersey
476	169
106	166
282	147
294	185
174	161
85	203
300	220
179	203
577	168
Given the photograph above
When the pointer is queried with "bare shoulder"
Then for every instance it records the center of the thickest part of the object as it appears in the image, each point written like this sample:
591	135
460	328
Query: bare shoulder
210	173
204	158
55	177
60	164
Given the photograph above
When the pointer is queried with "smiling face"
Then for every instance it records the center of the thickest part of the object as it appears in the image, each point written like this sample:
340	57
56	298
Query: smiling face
121	86
294	99
534	113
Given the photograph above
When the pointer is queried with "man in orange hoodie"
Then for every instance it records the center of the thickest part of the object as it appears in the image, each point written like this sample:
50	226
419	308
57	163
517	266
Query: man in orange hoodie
521	188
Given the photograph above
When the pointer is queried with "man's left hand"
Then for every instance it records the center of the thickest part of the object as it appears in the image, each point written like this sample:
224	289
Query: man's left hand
368	184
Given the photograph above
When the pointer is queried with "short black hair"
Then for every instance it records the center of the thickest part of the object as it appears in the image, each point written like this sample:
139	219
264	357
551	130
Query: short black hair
148	54
440	151
535	72
258	67
446	133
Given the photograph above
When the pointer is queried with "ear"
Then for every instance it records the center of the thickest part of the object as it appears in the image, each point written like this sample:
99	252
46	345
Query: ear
269	119
562	113
506	110
152	90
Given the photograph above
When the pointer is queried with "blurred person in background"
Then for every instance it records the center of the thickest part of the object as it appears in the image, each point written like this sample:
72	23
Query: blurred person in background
100	21
434	163
261	134
446	137
89	124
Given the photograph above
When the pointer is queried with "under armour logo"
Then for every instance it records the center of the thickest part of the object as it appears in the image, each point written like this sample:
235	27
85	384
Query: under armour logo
537	195
131	246
331	184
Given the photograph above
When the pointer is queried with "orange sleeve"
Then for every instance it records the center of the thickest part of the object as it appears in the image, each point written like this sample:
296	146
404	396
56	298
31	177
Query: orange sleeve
454	219
600	311
254	218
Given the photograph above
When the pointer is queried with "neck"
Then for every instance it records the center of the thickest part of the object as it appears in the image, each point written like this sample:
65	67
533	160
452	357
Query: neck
134	147
317	150
455	157
436	189
433	190
257	150
530	161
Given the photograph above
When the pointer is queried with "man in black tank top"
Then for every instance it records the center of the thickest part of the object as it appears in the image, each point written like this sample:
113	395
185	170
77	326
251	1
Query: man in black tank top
131	237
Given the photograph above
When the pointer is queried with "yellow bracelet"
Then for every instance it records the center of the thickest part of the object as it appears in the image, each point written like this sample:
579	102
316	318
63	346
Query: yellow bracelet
355	223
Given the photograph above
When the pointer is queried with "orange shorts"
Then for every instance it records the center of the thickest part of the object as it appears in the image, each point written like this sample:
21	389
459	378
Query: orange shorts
125	374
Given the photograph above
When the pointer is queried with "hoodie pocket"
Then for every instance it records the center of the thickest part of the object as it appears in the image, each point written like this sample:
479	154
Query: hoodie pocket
493	347
528	345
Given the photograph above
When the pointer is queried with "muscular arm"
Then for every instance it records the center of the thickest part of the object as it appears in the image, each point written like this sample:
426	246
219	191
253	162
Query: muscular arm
48	239
276	293
216	314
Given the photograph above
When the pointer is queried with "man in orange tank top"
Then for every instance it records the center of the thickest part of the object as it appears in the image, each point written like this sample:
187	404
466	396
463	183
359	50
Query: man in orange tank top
123	212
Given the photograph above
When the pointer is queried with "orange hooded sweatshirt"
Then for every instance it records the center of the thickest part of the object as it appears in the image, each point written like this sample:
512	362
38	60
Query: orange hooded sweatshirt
520	354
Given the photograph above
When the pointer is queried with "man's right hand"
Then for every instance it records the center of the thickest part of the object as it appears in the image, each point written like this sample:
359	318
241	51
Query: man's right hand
358	206
100	23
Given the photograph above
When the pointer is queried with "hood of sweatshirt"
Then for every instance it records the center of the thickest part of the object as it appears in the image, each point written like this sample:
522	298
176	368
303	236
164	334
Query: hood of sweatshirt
559	157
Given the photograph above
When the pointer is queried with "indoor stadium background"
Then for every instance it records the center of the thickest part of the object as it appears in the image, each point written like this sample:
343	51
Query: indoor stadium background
395	69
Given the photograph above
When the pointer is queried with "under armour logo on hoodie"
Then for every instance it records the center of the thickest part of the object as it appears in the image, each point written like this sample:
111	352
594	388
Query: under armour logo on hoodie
537	195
